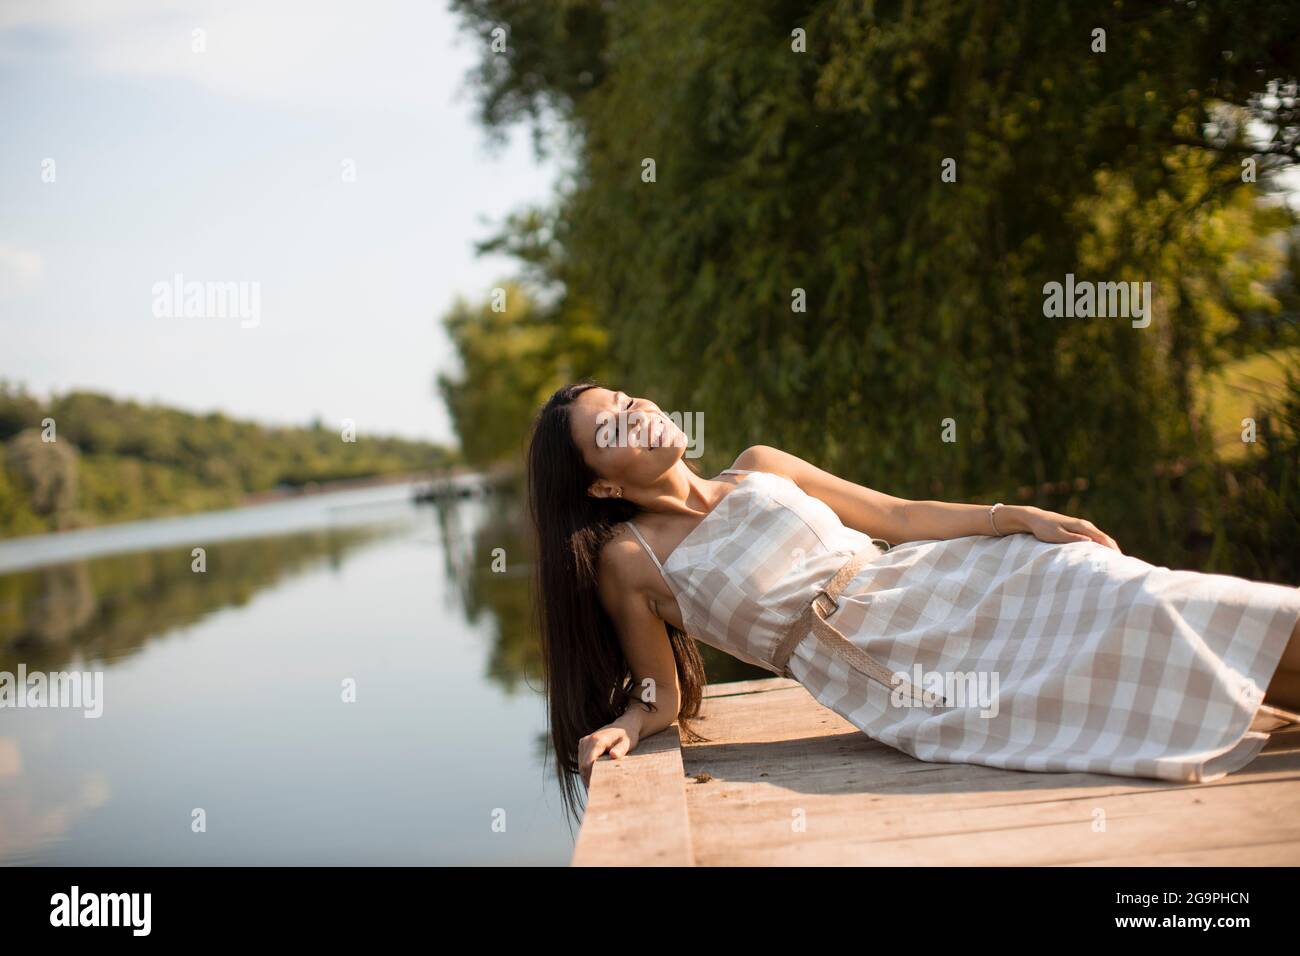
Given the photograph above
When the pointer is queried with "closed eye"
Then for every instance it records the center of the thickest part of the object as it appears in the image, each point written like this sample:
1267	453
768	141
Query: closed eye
627	406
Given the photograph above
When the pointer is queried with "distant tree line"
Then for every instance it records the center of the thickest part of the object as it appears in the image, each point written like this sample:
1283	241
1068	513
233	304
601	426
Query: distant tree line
112	460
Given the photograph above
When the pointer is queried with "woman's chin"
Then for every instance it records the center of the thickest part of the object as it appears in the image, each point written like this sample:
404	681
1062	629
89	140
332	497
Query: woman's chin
674	440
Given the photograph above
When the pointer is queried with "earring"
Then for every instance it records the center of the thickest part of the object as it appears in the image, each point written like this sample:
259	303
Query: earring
618	492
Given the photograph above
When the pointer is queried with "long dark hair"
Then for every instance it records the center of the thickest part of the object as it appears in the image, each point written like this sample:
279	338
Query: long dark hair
588	681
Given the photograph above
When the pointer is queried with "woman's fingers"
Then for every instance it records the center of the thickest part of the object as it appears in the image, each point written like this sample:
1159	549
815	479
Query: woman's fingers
1091	532
1102	537
1064	529
616	743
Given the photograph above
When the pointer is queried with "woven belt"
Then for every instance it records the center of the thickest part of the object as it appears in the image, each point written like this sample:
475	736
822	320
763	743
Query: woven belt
823	604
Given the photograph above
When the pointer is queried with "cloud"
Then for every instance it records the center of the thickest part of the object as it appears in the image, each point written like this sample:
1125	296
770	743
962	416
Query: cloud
20	270
384	54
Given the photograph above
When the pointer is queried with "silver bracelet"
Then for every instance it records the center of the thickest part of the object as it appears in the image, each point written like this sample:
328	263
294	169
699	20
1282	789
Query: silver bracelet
992	510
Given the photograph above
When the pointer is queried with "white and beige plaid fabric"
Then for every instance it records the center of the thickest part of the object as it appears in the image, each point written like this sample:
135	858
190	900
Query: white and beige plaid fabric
1052	657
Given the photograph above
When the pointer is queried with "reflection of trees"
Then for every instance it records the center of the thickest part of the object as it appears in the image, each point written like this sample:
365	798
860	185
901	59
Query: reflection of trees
505	598
499	600
107	607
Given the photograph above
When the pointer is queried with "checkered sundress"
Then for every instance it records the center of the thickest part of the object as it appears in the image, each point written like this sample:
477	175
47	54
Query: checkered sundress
1050	657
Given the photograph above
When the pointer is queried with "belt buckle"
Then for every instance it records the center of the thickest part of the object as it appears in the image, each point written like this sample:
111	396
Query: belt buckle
821	593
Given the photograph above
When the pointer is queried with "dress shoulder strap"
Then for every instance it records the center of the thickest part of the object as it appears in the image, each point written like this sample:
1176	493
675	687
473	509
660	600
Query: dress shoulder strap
738	471
648	550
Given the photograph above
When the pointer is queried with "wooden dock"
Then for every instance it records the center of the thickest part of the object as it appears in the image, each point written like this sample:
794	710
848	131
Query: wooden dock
785	781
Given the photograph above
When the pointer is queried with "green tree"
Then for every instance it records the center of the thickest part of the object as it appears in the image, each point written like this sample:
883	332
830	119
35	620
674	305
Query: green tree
45	472
511	358
787	179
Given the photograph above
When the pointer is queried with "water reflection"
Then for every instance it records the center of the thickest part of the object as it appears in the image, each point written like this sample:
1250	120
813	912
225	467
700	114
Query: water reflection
106	608
223	691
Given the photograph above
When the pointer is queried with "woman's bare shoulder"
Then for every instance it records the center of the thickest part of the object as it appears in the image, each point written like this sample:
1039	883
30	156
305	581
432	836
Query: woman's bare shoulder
620	568
770	458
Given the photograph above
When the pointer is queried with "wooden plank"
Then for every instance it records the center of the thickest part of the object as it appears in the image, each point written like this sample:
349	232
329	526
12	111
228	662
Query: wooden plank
759	686
760	829
783	780
636	808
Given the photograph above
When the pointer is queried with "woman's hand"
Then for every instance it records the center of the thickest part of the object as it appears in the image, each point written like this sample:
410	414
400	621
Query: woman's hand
1055	528
613	739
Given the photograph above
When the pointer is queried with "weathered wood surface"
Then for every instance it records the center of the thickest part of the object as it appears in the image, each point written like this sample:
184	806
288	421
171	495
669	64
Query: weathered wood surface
782	780
636	809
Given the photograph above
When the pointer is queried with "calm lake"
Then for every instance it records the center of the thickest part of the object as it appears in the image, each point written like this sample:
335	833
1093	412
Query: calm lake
226	690
223	691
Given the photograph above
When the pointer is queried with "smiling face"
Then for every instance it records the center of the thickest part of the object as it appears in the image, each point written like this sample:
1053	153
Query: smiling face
628	442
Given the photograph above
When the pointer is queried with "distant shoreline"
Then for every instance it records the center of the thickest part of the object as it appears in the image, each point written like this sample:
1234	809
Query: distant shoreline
286	514
342	484
493	476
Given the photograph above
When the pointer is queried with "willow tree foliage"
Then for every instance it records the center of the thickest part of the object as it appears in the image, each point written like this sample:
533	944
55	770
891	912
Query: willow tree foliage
828	226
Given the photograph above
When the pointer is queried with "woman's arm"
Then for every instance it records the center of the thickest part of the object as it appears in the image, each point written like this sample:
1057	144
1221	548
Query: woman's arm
649	656
898	519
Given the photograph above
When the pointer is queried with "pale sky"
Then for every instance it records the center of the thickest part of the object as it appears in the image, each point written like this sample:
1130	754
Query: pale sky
227	165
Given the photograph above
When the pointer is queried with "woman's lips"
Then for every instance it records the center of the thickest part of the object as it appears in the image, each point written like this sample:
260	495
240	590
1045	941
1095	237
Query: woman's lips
655	427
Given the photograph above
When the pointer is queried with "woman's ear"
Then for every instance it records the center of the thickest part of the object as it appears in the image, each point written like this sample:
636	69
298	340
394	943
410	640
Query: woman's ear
600	488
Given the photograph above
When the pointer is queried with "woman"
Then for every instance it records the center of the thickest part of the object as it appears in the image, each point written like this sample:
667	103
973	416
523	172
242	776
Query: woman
1097	662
